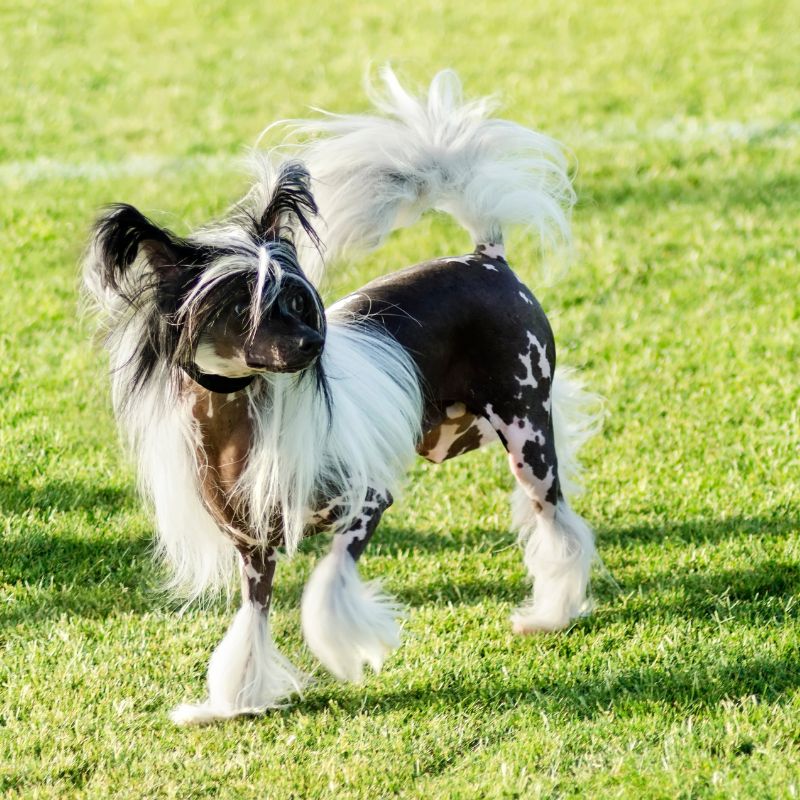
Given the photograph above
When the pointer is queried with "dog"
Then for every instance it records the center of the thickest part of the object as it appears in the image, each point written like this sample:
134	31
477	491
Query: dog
257	417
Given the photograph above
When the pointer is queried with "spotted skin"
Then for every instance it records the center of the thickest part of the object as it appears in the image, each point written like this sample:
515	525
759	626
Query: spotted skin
491	251
322	518
258	572
486	359
459	433
358	534
486	355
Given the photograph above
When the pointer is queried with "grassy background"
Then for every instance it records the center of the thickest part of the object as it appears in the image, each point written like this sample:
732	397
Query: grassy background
682	306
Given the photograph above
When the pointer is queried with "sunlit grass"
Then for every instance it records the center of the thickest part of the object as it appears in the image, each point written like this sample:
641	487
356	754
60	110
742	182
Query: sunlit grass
682	307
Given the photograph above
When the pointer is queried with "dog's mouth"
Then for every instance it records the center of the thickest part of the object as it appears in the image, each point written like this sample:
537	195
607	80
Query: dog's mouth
282	366
239	368
208	360
284	355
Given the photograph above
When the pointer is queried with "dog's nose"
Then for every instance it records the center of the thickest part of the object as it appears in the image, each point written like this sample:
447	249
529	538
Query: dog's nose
310	344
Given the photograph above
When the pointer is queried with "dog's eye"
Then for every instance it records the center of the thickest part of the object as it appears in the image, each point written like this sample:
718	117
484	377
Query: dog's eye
239	309
297	304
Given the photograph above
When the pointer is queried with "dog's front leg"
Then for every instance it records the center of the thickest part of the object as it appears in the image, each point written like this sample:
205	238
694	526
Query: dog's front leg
348	623
246	674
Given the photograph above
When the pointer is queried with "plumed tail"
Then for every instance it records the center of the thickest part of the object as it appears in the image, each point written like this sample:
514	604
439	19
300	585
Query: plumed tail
577	417
375	173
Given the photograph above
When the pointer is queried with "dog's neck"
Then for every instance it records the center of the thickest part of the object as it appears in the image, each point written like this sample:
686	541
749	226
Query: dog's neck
219	384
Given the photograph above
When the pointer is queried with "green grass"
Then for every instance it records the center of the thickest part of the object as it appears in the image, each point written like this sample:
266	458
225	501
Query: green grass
682	306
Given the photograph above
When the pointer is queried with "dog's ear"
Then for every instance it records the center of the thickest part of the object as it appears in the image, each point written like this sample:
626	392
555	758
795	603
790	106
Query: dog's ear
291	202
123	234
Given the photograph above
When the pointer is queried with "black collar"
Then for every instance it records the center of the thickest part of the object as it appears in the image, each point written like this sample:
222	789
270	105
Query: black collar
217	383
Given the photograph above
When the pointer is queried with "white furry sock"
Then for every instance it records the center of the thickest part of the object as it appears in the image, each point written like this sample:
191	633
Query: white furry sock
347	622
558	556
246	675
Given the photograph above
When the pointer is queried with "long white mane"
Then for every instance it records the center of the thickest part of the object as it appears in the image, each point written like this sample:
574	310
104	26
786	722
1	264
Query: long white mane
302	457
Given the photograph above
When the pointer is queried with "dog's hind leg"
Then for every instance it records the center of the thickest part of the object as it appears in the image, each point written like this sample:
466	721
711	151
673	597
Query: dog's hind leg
247	674
559	549
559	545
348	623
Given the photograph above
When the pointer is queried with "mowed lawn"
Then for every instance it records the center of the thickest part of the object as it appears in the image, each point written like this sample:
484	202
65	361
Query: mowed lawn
682	306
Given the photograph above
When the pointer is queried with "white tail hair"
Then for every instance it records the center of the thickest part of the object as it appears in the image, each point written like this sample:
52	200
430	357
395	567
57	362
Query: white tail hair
373	174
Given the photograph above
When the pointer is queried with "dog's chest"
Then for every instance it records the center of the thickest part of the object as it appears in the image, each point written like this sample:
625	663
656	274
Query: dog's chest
222	437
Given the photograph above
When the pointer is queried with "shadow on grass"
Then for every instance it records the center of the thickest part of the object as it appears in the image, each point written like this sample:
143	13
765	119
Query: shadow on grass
100	576
60	495
693	593
730	678
87	577
698	531
390	540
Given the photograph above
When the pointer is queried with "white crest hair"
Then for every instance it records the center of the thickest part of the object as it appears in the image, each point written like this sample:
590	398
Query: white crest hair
300	456
253	259
372	174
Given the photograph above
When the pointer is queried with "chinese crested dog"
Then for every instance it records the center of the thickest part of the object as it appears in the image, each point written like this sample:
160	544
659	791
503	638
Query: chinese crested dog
258	417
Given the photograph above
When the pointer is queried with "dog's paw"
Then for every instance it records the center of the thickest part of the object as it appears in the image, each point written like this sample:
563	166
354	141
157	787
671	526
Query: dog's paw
526	621
347	623
532	619
187	714
192	714
526	626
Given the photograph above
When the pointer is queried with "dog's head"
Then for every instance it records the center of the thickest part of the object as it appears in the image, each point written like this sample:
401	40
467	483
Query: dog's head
231	300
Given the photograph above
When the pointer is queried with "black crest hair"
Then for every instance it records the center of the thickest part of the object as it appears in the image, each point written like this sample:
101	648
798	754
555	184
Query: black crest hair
291	200
119	235
123	236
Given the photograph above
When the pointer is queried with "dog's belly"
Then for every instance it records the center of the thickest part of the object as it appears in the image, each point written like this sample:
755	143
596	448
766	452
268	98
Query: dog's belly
459	433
